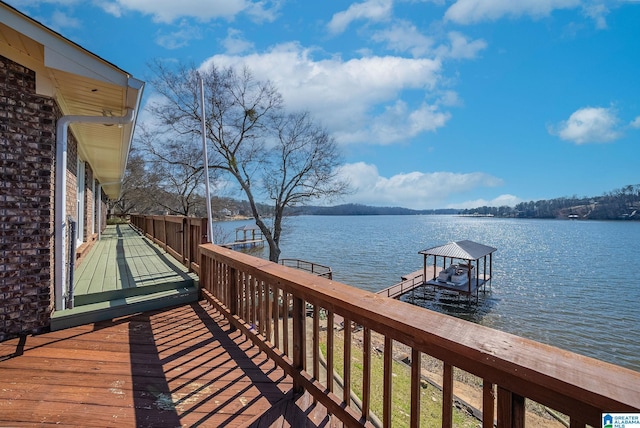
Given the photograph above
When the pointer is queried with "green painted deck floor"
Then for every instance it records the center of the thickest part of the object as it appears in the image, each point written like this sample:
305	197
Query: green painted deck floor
123	259
122	274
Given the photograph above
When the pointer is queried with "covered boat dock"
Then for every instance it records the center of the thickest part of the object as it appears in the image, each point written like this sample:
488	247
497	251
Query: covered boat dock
456	267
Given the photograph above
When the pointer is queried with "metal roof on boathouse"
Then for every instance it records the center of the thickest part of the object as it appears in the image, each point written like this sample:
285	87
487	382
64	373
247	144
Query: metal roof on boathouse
465	250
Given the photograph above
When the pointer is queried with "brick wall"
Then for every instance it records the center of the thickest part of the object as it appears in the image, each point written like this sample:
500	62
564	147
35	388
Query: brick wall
27	175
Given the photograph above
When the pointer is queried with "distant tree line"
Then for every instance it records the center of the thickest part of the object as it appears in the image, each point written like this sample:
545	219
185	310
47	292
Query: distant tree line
358	209
619	204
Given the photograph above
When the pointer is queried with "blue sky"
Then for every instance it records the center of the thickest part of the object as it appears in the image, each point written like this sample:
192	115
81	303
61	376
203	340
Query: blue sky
435	103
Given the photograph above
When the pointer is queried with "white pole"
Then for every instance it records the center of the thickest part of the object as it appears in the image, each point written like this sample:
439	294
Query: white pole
206	160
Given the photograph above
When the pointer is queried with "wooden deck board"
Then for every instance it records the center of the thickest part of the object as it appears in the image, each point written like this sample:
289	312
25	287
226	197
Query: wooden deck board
166	368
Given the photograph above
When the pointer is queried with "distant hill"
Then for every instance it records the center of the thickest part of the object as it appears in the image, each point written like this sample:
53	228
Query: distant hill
358	209
619	204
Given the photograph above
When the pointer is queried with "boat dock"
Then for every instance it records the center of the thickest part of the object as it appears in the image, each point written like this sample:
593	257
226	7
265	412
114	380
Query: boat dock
246	237
415	280
459	271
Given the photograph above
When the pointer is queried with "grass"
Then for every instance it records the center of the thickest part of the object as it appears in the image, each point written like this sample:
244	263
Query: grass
431	397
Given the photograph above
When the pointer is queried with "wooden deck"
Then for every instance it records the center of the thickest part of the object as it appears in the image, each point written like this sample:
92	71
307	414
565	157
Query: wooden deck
125	273
123	259
166	368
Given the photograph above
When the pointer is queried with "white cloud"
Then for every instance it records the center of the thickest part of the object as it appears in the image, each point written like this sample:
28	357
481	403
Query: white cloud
167	11
235	43
373	10
61	20
589	125
110	8
359	100
472	11
405	37
598	13
501	201
179	38
460	47
417	190
635	123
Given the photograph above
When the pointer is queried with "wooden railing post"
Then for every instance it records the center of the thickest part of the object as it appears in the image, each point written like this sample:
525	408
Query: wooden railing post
184	242
299	342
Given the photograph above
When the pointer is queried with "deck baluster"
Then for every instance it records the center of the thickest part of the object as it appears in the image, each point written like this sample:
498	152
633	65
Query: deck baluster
315	351
416	368
285	322
268	309
488	404
366	373
447	396
233	294
510	409
299	342
346	378
386	384
330	344
260	288
276	316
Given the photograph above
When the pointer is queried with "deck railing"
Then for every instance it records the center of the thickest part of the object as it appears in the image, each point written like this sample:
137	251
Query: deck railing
281	309
178	235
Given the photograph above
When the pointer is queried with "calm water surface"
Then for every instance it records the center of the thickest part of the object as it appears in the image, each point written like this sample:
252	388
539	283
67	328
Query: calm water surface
571	284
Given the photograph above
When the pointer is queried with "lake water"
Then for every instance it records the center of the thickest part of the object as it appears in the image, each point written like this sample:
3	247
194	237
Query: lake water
571	284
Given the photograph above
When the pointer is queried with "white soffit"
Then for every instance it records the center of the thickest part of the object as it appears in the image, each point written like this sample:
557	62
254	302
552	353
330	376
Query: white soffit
83	84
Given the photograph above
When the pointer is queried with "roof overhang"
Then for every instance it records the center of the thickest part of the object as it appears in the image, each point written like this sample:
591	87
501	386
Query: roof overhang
83	84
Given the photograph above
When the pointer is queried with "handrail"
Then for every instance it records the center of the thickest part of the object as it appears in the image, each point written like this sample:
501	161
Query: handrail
402	287
272	304
311	267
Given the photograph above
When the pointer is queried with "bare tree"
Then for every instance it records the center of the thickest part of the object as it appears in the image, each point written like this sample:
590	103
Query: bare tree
302	165
284	157
138	187
177	161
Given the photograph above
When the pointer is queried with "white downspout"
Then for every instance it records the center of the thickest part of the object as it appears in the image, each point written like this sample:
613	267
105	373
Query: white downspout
99	211
60	207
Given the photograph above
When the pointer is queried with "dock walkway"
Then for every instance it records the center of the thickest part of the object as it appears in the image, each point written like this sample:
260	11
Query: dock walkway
409	283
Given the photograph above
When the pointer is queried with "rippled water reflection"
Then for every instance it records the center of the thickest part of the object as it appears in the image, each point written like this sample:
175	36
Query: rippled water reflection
572	284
